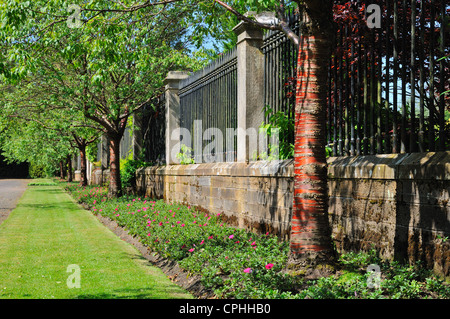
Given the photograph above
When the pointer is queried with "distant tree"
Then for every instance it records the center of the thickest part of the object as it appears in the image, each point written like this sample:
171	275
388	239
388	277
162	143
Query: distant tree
109	60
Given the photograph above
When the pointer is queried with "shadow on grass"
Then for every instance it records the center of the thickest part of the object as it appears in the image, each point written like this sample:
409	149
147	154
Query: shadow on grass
139	293
67	205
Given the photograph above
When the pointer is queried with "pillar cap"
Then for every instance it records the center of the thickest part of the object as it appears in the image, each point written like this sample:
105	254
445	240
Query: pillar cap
248	31
174	77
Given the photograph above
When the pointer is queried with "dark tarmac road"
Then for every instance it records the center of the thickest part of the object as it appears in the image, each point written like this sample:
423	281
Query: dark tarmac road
10	192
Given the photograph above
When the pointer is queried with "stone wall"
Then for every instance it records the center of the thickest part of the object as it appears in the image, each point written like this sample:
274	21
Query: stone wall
257	196
398	203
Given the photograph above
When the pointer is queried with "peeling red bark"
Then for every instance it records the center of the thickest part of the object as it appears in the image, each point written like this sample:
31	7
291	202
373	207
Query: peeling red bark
83	165
310	230
115	183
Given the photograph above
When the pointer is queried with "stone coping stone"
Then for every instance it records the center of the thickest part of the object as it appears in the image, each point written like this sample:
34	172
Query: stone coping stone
422	166
281	168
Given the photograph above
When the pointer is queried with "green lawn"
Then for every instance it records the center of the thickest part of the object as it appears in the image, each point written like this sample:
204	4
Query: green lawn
48	231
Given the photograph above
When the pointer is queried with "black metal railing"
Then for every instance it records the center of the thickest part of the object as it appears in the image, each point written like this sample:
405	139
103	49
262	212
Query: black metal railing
280	70
154	130
386	85
210	96
373	74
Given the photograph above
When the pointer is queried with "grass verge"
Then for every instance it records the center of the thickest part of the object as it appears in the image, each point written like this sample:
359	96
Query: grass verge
48	232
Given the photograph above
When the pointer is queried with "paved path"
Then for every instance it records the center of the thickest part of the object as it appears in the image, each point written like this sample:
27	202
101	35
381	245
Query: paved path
10	192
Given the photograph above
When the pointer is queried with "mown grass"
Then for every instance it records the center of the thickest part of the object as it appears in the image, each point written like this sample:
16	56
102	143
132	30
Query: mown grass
48	231
239	264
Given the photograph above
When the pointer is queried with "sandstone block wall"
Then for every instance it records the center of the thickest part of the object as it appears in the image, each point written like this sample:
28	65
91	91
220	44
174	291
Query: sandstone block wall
257	196
397	203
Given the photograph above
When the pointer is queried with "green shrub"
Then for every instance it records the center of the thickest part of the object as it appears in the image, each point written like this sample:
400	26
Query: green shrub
128	168
185	156
37	170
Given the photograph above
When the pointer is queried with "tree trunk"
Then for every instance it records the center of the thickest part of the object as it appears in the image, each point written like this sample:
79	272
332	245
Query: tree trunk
310	241
83	166
61	170
115	184
69	169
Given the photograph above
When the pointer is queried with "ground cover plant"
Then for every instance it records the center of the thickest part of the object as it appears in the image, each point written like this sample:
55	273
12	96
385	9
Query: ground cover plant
235	263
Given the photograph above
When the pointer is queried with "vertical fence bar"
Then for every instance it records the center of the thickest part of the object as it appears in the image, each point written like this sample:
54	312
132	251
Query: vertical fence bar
388	148
431	134
341	92
329	103
421	135
379	93
412	65
352	100
359	101
403	76
347	94
395	81
366	108
373	88
443	76
335	102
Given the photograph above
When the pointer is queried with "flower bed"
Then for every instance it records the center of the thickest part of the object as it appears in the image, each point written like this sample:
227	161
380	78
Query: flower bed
234	263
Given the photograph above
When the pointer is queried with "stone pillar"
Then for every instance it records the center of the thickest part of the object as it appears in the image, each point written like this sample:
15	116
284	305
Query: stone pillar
172	86
250	78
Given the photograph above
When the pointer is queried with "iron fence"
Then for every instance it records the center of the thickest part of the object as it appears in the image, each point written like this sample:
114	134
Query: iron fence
154	130
210	96
386	86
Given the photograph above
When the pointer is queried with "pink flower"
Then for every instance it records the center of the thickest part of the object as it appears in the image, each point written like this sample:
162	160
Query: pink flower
182	225
148	234
211	237
160	223
248	270
269	266
253	244
202	242
191	250
231	236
